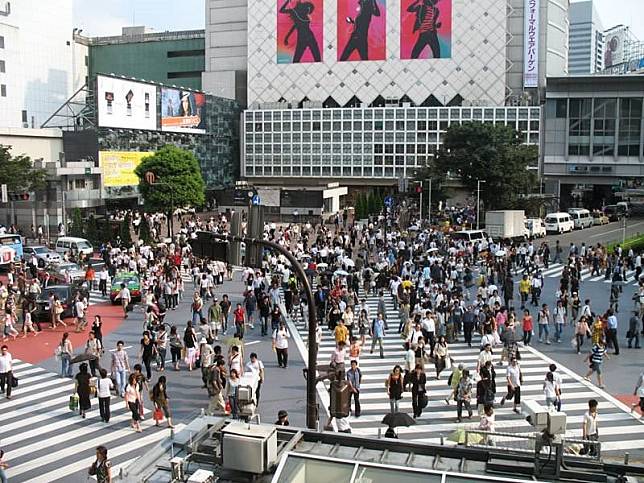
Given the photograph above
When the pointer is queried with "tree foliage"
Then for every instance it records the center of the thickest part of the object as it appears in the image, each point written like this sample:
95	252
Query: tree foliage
18	172
77	228
476	151
178	180
144	231
438	178
124	231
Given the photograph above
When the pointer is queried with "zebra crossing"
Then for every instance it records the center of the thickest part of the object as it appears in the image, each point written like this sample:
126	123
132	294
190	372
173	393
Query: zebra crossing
45	442
555	270
619	429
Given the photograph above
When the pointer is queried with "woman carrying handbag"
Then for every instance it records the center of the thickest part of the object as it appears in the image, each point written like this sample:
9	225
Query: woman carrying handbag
159	398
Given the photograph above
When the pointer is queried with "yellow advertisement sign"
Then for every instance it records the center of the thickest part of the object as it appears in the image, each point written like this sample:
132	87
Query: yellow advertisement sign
117	167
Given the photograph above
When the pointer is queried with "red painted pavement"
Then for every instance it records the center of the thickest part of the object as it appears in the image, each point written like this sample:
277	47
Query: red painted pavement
628	399
35	349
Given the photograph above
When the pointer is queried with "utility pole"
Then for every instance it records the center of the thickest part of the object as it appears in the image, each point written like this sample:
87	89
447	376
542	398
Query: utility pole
421	203
478	200
429	204
311	397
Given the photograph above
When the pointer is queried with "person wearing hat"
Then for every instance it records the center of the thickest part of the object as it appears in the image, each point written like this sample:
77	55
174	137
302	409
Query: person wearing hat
282	418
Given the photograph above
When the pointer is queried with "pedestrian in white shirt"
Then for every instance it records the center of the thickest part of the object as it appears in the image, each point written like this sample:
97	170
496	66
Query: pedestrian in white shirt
125	297
6	371
256	367
281	336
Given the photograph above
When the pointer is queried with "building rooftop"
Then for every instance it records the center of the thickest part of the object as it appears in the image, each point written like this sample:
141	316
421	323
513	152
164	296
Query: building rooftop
232	451
132	35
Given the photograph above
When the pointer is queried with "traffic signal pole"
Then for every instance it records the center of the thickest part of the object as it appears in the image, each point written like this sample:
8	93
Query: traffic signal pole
311	398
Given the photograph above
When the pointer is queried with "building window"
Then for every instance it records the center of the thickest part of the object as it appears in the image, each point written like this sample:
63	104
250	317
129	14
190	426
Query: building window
186	53
630	119
3	90
604	113
561	108
24	117
2	66
579	127
184	75
1	42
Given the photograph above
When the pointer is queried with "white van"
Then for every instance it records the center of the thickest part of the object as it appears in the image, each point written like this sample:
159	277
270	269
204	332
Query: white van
559	223
535	228
73	244
581	217
472	236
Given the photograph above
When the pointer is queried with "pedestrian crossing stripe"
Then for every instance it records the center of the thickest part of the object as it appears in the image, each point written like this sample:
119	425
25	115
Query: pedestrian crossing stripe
555	270
44	441
620	430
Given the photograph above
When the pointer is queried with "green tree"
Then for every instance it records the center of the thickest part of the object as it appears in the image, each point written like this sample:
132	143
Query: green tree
106	231
77	228
91	230
18	172
494	154
124	231
178	180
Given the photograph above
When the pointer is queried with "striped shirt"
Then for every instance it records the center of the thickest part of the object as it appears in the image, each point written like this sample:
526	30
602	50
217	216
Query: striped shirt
428	21
597	355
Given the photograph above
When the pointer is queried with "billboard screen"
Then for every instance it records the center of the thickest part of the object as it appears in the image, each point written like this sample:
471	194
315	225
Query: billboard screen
361	30
117	167
425	29
126	104
182	111
299	31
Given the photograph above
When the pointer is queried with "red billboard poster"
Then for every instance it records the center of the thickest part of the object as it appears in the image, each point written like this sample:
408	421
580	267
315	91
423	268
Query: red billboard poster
361	30
299	31
425	29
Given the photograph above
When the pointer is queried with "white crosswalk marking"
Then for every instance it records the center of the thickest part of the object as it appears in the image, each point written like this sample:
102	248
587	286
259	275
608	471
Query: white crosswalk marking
555	270
620	430
44	441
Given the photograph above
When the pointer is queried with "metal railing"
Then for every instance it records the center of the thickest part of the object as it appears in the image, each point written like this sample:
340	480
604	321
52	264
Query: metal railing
527	443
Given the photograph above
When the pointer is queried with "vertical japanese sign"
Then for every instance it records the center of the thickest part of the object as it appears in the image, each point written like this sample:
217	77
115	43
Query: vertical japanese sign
531	44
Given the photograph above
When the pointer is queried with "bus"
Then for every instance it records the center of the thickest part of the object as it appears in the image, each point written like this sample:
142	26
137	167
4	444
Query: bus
10	249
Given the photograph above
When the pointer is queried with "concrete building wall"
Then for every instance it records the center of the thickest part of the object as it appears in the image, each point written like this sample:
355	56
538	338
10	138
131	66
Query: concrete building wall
176	58
38	46
226	42
586	39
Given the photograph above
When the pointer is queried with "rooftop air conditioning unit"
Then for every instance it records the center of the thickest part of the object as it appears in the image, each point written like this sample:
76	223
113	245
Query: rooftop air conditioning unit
202	476
249	448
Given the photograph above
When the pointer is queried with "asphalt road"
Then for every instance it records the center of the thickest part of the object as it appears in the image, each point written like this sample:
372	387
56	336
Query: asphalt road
612	232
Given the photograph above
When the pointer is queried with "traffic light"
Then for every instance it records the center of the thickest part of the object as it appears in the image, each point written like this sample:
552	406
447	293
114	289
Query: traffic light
19	196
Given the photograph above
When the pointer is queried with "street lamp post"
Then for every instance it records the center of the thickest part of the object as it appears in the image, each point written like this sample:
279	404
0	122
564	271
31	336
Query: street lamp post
478	201
429	204
311	398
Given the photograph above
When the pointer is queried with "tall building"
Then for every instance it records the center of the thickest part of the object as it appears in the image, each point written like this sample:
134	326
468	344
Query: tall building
226	49
586	49
593	137
363	91
38	60
165	57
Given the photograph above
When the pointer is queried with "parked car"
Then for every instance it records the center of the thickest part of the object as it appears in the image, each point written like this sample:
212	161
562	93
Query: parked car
615	212
600	218
581	217
535	228
559	223
73	244
57	272
133	283
43	254
471	236
66	294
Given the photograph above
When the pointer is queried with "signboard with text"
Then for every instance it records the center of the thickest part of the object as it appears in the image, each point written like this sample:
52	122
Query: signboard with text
531	44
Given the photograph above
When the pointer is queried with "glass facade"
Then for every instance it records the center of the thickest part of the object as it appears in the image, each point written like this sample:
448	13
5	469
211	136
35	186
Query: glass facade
383	142
630	125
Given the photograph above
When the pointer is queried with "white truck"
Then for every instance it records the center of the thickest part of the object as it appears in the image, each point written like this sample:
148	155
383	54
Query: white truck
506	224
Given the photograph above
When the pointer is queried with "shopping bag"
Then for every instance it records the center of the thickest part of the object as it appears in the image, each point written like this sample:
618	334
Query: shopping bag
158	414
14	381
573	343
73	402
228	407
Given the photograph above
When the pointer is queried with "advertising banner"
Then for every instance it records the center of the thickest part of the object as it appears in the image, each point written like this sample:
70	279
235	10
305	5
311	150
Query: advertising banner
531	44
117	167
126	104
299	31
362	30
182	111
425	29
614	54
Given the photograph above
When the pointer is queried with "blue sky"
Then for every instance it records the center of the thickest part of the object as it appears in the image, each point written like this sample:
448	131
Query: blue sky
98	17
